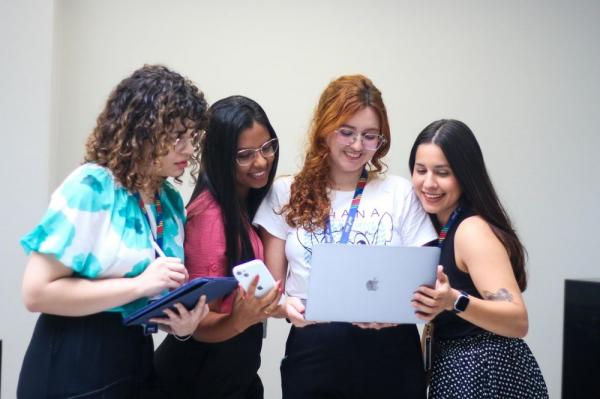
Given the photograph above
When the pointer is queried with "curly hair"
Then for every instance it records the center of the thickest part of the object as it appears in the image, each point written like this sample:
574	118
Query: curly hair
309	205
142	118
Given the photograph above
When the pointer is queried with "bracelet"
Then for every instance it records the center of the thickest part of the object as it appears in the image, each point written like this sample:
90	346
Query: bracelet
182	339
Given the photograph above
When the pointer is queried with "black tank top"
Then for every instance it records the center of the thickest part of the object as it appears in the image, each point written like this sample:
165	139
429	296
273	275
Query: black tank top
447	324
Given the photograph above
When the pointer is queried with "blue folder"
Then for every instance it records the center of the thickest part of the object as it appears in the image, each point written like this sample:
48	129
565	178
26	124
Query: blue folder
188	295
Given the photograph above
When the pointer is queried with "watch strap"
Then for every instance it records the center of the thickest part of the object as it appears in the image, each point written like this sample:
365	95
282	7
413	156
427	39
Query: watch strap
461	303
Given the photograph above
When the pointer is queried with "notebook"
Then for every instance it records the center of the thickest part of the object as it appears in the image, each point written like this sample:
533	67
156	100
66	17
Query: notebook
188	295
368	283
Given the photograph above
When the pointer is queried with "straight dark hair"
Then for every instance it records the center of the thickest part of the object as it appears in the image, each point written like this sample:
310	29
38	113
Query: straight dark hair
461	149
228	118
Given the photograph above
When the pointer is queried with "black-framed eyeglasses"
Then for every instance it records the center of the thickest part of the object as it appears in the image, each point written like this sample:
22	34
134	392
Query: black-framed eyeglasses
181	142
371	141
246	156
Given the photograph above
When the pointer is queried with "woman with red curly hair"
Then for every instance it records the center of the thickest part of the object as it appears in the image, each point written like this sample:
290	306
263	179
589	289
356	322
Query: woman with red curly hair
349	136
93	257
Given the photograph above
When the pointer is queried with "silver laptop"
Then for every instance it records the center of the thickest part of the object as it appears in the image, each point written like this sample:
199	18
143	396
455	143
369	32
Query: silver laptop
368	283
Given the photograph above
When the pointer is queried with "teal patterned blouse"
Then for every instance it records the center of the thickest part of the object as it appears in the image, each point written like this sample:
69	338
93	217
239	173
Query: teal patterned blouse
96	227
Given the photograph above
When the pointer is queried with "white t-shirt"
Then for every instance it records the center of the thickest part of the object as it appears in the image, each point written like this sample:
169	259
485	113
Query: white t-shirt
389	214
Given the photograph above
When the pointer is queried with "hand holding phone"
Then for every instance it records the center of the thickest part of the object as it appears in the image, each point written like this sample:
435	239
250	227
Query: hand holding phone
246	272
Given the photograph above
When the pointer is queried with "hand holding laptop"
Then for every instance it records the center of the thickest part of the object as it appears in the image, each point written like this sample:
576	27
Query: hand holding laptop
429	302
294	309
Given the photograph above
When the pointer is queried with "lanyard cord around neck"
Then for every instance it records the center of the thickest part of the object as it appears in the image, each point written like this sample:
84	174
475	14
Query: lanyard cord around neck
360	187
159	218
448	226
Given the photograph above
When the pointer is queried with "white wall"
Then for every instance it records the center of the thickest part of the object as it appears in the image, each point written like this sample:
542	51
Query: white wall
25	114
523	75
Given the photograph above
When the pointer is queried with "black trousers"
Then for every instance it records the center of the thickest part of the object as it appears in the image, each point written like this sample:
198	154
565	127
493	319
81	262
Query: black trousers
224	370
87	357
339	360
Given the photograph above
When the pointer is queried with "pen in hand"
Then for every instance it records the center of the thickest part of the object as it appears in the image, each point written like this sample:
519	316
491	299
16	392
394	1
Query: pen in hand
161	253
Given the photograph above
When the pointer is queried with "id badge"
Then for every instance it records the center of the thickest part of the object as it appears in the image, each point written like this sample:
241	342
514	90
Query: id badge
427	353
427	345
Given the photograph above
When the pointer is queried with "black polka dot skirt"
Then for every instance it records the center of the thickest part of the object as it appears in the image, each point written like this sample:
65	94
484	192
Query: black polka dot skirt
485	366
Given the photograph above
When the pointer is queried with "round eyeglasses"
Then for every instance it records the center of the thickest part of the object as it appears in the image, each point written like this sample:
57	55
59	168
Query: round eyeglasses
181	142
247	156
371	141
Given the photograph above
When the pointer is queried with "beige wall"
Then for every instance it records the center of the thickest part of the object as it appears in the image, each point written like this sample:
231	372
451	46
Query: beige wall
26	30
523	75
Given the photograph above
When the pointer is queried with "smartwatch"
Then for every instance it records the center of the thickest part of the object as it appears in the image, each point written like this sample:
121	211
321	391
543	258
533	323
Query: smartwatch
461	302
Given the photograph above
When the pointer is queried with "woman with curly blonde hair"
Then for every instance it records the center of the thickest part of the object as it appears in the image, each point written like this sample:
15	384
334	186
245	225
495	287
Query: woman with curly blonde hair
348	137
93	257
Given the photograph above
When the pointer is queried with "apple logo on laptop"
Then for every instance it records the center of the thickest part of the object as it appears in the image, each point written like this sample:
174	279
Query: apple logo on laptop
373	284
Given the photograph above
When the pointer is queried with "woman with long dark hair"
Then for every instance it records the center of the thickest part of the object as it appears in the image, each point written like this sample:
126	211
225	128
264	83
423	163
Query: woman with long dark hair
92	257
349	136
239	155
477	309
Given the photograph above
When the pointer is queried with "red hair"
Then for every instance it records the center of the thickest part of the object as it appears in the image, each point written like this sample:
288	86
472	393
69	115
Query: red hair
309	205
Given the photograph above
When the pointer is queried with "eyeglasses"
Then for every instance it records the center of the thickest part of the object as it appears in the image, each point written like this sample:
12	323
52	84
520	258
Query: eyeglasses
246	156
371	141
181	142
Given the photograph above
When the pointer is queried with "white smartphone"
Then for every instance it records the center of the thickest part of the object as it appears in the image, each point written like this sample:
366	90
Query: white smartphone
245	272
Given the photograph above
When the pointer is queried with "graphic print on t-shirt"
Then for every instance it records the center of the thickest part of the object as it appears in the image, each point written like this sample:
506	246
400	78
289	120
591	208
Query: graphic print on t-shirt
369	228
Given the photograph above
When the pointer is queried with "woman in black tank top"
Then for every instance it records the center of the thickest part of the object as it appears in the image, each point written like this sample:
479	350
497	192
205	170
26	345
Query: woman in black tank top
476	306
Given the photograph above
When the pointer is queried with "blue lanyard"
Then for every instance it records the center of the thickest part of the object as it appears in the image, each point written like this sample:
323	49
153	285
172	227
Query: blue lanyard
360	187
448	226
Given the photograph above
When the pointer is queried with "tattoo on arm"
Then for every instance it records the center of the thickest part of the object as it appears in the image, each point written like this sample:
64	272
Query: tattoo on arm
501	295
